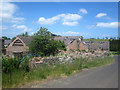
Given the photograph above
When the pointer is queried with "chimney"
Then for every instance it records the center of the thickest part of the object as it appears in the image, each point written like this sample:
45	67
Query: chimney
81	38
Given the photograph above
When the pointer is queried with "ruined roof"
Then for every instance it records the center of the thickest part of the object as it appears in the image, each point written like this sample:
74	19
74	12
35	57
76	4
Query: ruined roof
25	39
94	45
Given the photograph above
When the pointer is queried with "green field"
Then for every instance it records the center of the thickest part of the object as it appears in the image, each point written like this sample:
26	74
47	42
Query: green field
95	40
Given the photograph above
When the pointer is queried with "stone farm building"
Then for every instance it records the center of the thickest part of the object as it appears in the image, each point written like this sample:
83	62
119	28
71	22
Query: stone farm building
73	42
19	45
76	42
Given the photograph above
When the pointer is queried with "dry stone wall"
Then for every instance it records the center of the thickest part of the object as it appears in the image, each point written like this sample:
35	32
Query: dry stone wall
65	58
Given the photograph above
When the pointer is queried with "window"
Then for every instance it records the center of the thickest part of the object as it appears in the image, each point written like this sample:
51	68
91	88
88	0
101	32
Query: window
18	43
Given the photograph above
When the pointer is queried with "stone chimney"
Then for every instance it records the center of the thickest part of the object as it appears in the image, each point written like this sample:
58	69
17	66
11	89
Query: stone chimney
81	38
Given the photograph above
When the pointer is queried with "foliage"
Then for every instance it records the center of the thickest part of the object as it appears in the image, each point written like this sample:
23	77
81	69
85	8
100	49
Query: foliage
44	33
13	38
114	52
44	44
114	45
92	52
20	77
11	64
81	50
25	34
6	38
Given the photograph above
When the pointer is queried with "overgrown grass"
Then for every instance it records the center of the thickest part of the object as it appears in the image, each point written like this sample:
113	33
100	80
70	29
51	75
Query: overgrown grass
98	62
0	80
20	77
114	52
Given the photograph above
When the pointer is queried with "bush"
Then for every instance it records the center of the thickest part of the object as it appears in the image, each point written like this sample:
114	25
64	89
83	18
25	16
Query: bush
92	52
81	50
10	64
114	45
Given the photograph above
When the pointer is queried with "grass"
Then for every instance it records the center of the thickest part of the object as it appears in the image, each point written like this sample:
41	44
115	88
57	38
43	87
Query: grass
98	62
0	80
114	52
95	40
20	77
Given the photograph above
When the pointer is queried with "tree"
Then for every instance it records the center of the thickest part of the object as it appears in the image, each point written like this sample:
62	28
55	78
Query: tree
44	43
106	37
13	38
25	34
114	45
6	38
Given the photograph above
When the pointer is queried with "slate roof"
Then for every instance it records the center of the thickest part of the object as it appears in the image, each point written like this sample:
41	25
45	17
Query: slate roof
25	39
67	39
7	42
92	45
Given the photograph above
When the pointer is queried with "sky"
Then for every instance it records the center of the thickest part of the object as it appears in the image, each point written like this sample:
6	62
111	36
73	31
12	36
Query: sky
87	19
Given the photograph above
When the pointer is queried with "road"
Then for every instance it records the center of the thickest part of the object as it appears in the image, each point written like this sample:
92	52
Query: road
101	77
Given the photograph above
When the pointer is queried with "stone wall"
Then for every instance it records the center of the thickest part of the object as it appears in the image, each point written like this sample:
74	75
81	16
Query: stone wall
66	58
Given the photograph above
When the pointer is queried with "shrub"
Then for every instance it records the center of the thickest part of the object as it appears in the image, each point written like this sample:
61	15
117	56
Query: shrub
10	64
92	52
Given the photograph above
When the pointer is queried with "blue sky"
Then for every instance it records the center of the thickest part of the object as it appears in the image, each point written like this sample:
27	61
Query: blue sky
87	19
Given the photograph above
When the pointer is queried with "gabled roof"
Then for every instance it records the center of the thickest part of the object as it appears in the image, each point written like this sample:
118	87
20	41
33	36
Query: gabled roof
25	39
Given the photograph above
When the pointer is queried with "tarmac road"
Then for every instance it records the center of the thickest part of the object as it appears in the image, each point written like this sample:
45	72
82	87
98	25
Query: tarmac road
101	77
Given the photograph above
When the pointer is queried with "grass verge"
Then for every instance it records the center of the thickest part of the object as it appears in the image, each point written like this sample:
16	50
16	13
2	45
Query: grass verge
114	52
20	77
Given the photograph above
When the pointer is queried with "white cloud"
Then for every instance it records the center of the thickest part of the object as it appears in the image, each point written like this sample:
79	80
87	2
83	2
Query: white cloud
108	25
84	11
101	15
70	23
44	21
63	17
22	27
68	17
7	11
